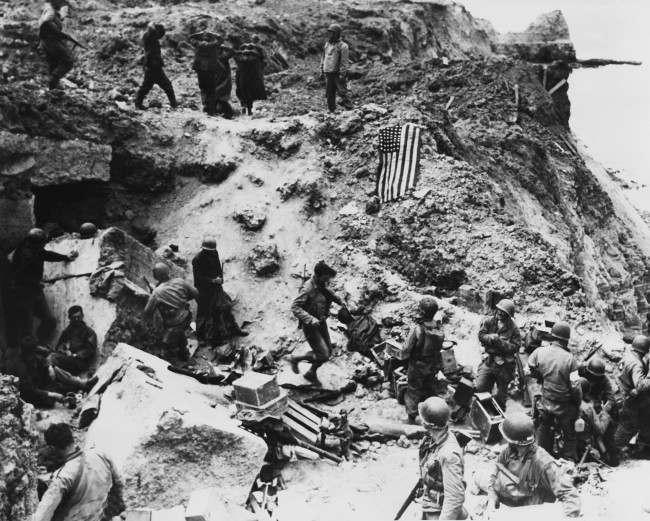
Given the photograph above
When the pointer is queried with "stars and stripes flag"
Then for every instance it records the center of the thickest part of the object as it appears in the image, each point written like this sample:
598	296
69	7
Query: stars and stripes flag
399	156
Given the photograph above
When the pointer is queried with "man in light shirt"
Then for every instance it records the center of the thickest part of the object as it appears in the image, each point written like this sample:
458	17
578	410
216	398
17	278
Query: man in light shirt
334	66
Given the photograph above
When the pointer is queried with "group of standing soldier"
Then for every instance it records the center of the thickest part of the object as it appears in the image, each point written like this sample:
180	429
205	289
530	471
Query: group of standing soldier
211	64
590	416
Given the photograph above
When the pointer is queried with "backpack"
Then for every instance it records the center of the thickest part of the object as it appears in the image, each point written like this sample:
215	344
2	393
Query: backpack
363	333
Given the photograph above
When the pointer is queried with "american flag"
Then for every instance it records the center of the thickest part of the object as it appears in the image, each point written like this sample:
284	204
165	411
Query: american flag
399	153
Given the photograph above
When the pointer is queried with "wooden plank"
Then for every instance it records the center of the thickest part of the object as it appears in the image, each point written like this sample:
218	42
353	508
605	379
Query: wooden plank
299	429
451	100
556	87
305	413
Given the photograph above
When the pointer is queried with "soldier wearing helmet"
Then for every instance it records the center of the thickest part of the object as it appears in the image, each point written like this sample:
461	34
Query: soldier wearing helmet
441	464
540	479
603	398
171	299
501	339
422	350
215	323
334	66
25	291
552	364
634	384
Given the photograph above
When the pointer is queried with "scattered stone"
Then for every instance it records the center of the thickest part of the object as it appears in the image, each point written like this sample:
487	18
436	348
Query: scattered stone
470	298
251	219
349	209
257	181
264	260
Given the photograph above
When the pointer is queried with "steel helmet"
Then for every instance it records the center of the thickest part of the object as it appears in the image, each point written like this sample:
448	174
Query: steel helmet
37	236
507	306
209	243
641	344
561	331
428	306
596	367
161	272
87	230
334	28
518	429
434	412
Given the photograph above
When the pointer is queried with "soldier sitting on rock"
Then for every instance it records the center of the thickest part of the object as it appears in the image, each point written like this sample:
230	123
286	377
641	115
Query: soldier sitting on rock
41	383
76	349
422	350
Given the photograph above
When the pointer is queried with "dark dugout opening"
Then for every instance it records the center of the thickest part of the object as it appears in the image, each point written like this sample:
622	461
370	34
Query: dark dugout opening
64	208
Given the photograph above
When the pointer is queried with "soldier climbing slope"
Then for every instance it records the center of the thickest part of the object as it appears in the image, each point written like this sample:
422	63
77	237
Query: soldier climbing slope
171	299
153	67
54	41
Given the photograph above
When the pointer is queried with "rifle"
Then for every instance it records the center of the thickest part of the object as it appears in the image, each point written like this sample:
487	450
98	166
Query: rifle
75	41
409	499
506	472
521	375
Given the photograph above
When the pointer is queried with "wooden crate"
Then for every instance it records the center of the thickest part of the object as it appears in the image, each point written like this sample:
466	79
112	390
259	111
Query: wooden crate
486	415
256	389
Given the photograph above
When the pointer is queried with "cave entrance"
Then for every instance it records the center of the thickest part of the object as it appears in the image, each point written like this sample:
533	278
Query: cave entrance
64	208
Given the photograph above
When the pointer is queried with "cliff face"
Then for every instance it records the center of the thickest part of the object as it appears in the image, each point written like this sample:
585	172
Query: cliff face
508	203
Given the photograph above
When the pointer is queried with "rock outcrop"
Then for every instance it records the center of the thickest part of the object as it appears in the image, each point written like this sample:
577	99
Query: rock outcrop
170	435
545	40
17	455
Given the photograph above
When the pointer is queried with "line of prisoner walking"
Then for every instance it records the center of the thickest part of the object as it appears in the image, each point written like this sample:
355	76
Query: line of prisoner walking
211	64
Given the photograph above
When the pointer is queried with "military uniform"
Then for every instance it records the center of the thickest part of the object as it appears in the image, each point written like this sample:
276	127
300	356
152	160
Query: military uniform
501	343
26	298
153	68
311	308
541	480
442	475
81	341
633	386
53	41
422	349
553	364
171	299
605	410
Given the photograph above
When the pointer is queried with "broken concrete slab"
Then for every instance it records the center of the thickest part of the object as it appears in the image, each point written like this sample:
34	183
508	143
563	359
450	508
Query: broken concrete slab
251	219
109	279
48	162
170	435
264	260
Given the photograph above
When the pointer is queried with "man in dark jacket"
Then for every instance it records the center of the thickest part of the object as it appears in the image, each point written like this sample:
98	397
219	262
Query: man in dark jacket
501	339
153	67
311	308
334	66
77	345
422	350
54	41
206	63
214	320
26	298
250	59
